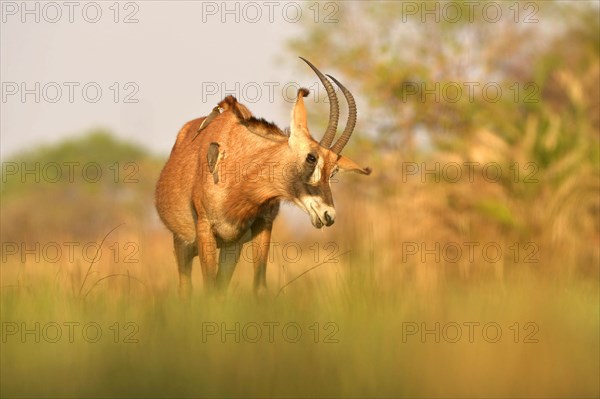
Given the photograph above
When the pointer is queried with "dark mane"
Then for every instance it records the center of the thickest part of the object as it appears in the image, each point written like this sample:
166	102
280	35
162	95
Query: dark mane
258	126
263	128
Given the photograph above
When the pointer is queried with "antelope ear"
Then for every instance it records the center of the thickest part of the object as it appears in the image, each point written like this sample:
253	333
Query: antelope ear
348	165
298	125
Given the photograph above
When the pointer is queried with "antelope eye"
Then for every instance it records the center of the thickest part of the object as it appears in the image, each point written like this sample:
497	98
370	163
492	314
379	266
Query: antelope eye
310	158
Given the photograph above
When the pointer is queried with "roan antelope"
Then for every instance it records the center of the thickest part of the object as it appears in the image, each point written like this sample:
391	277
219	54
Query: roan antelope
227	174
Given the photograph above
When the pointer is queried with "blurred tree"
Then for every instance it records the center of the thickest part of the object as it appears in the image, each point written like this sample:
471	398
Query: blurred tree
409	64
412	66
79	188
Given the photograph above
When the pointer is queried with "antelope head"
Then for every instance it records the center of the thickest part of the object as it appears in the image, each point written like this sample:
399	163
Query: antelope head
317	162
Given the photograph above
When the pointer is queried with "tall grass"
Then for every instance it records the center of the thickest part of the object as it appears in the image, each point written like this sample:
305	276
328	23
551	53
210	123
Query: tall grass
369	297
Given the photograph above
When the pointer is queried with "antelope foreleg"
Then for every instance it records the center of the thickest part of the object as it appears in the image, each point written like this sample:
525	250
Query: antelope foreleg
261	231
207	252
184	253
229	254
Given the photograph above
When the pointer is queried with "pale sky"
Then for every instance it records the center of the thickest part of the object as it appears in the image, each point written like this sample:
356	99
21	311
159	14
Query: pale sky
141	69
177	61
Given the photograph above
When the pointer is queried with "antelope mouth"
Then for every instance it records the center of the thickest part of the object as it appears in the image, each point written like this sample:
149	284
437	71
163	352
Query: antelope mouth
315	218
308	206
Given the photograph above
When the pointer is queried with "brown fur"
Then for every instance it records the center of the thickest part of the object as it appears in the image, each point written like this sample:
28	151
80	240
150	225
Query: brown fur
253	178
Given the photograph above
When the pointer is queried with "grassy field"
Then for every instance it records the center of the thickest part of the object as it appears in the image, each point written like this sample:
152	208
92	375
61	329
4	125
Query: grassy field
365	326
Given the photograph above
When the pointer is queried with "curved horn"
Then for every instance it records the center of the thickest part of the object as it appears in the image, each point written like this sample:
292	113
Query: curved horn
343	140
334	109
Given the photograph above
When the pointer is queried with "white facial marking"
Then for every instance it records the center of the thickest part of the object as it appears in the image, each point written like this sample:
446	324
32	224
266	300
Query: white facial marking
315	208
316	175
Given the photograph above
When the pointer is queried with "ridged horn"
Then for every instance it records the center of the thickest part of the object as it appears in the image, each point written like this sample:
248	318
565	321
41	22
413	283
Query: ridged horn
343	140
334	109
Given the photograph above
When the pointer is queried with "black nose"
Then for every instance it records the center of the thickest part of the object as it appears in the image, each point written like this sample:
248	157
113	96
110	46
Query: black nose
328	219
